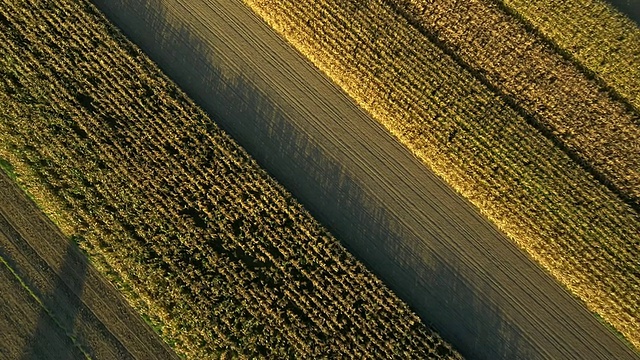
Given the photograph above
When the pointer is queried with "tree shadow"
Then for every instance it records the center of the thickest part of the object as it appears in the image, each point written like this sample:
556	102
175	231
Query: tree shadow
61	306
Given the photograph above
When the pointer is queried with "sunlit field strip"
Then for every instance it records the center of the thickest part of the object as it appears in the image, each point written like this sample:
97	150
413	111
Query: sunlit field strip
580	231
592	32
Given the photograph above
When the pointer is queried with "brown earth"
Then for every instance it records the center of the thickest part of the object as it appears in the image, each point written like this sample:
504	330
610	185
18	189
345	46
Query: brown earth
433	248
54	303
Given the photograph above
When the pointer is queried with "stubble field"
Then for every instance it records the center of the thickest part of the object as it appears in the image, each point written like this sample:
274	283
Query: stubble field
55	305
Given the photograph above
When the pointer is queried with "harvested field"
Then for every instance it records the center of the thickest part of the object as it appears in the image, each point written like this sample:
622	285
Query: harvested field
21	316
54	303
582	232
219	257
594	35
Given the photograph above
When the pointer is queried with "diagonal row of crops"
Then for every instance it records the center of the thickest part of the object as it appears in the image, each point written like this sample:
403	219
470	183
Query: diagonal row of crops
197	236
579	230
592	33
540	84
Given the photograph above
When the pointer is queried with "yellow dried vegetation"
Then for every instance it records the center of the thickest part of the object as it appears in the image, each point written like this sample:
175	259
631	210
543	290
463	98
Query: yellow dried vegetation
578	229
594	34
589	123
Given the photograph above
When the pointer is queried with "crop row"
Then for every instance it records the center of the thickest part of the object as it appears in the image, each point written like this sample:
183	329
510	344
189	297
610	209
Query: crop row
580	231
544	87
593	33
198	237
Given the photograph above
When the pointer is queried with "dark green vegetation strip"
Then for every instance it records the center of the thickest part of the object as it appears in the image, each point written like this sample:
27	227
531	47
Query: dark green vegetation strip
204	243
8	168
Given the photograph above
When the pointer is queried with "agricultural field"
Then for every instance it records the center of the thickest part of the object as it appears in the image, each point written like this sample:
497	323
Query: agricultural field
596	129
603	42
201	241
454	268
222	261
54	304
546	152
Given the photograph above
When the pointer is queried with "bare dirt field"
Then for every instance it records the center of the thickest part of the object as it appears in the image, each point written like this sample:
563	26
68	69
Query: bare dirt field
521	176
455	269
54	304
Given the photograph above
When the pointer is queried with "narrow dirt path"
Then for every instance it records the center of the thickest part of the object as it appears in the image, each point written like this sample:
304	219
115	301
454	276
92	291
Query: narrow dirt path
55	305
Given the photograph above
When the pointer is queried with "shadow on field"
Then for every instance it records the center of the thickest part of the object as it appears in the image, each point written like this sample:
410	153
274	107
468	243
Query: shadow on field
61	306
65	306
630	8
433	288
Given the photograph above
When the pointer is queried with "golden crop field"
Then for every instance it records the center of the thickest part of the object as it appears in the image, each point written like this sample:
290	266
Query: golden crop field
201	241
600	39
448	104
554	96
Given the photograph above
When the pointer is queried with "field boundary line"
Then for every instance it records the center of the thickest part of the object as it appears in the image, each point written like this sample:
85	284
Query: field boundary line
49	313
